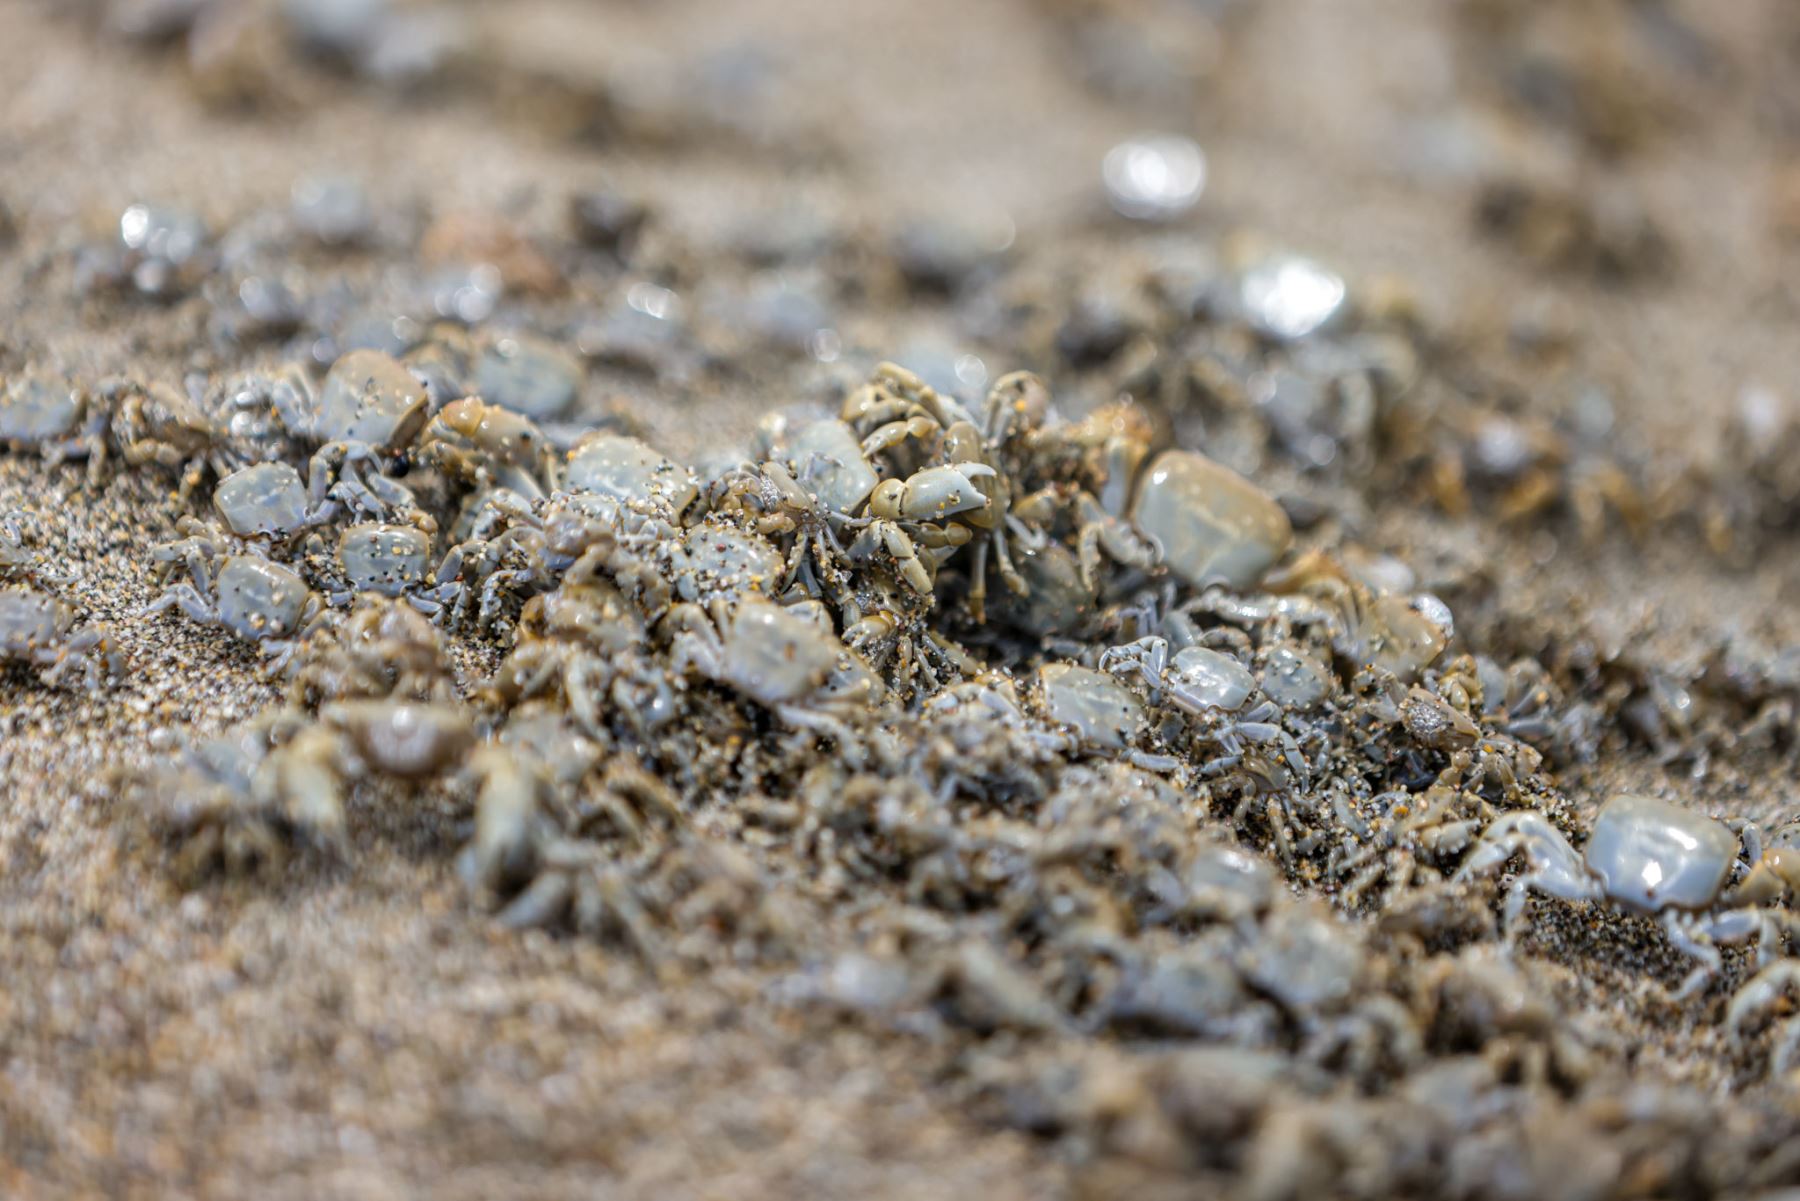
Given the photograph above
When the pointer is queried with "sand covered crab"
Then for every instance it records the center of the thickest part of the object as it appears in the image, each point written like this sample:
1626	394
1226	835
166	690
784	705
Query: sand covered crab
1178	510
489	448
158	424
245	800
585	644
770	654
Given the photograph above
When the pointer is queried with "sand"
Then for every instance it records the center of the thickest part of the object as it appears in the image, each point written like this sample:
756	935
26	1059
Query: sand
360	1029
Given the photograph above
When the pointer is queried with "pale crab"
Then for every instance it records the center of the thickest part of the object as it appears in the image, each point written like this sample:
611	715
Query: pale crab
258	600
490	449
242	800
1654	858
1212	692
56	419
584	641
789	664
157	424
367	413
42	631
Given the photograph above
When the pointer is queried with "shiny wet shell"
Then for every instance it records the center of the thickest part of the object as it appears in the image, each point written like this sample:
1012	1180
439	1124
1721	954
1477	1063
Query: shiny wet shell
1214	526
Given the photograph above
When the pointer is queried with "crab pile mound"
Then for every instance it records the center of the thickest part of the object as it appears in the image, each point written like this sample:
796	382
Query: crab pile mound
982	722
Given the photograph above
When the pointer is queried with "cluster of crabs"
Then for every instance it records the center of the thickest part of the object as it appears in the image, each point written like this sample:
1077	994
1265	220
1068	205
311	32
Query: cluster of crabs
962	597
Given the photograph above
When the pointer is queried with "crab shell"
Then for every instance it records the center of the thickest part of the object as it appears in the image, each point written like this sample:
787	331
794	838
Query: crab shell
1651	855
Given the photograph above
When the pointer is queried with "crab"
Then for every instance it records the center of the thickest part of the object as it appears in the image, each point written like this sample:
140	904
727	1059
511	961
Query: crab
393	561
381	648
1090	467
521	549
776	505
907	520
624	468
1475	758
261	406
398	738
18	559
1406	840
254	598
490	449
367	413
56	419
1091	711
1212	691
1649	857
226	810
268	500
1390	633
771	655
716	558
1181	511
952	476
895	405
241	800
155	424
391	737
1210	524
504	557
585	641
42	631
827	461
885	625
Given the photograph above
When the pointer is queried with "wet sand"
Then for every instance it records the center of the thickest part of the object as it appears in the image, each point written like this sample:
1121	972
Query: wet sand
360	1029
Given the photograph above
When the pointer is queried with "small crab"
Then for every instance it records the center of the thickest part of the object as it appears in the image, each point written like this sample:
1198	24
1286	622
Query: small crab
381	648
1210	524
308	769
908	520
794	667
54	418
1646	856
258	600
230	806
242	800
1090	467
18	559
1093	712
1475	758
778	506
157	424
827	461
896	405
626	468
41	631
887	625
392	561
489	448
404	739
366	414
268	500
1392	633
505	558
585	641
1212	691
